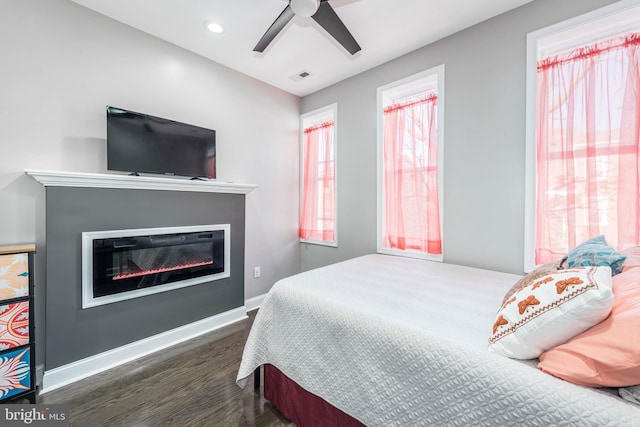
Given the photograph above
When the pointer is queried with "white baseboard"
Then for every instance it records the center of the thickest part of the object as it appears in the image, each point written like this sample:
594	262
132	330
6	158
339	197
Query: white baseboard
255	302
67	374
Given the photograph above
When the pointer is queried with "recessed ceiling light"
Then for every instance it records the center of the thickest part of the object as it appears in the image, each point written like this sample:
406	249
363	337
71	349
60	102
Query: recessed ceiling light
214	27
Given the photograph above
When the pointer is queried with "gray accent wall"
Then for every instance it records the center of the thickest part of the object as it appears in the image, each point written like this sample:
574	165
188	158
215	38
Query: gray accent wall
73	333
484	133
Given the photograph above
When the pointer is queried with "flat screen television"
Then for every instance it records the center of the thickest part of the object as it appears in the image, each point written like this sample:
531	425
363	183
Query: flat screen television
140	143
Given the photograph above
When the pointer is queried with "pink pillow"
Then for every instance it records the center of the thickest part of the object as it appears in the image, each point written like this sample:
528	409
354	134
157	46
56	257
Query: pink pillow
633	258
608	354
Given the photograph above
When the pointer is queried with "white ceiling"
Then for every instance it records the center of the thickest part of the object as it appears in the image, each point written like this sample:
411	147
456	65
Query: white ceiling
385	29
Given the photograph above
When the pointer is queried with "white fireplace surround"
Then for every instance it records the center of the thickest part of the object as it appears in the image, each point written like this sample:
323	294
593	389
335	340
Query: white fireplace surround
88	299
142	182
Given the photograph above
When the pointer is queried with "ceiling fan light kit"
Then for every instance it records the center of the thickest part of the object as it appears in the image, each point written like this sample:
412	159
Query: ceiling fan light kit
321	12
305	8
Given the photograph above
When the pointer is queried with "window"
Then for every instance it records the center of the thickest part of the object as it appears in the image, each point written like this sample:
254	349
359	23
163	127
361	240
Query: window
583	129
410	166
318	177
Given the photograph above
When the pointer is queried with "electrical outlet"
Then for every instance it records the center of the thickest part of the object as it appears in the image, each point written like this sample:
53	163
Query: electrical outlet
256	272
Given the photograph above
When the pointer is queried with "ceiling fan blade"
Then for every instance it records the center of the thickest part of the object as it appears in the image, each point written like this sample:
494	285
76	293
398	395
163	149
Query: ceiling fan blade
329	20
277	26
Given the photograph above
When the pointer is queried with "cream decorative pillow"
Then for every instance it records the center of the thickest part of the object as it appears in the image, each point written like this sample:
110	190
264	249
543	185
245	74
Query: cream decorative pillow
551	310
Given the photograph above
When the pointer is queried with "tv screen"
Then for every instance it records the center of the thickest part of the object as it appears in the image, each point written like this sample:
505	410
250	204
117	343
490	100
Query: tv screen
140	143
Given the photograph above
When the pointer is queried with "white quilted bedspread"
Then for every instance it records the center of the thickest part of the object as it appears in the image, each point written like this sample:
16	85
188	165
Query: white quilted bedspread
403	342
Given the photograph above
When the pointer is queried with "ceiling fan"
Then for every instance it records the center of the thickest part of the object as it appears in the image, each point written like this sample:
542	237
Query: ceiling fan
321	12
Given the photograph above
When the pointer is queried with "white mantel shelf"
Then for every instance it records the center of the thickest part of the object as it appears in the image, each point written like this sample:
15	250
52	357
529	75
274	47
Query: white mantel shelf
101	180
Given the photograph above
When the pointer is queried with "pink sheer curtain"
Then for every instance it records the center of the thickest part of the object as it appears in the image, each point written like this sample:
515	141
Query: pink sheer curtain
317	213
410	162
588	109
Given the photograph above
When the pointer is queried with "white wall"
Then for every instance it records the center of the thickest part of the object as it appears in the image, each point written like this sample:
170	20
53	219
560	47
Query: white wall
484	140
62	64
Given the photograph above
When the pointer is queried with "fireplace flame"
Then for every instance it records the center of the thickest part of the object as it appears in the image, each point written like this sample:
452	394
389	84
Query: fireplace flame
160	270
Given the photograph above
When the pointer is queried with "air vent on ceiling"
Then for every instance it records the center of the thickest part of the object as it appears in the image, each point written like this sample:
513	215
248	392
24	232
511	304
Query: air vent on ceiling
300	76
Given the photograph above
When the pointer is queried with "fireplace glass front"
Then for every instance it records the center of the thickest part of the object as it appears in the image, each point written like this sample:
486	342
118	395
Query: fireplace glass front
127	266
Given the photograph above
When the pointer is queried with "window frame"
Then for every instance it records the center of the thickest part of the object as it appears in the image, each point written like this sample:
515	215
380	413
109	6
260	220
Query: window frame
605	22
422	82
311	118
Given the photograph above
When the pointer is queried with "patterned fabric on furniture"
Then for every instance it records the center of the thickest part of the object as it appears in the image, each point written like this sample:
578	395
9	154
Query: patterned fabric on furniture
15	372
14	325
14	276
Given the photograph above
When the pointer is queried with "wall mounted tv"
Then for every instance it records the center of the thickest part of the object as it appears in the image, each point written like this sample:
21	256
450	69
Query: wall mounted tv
140	143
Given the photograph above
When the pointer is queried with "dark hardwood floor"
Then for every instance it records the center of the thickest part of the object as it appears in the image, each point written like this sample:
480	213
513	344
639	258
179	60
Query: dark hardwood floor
191	384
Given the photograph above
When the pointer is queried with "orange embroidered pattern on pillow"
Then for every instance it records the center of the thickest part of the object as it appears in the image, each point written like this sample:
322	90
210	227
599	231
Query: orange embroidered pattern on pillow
509	302
542	282
562	285
501	321
525	303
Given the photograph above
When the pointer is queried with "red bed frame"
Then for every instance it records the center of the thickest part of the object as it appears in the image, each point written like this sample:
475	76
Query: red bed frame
300	406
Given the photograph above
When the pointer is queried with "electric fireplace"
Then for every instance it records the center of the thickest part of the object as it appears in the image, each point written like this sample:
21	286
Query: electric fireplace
124	264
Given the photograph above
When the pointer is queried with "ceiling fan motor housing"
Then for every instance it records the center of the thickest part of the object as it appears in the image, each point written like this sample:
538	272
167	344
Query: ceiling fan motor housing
321	12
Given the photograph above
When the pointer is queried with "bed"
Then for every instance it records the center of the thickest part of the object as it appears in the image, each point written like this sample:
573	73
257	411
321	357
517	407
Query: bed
393	341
